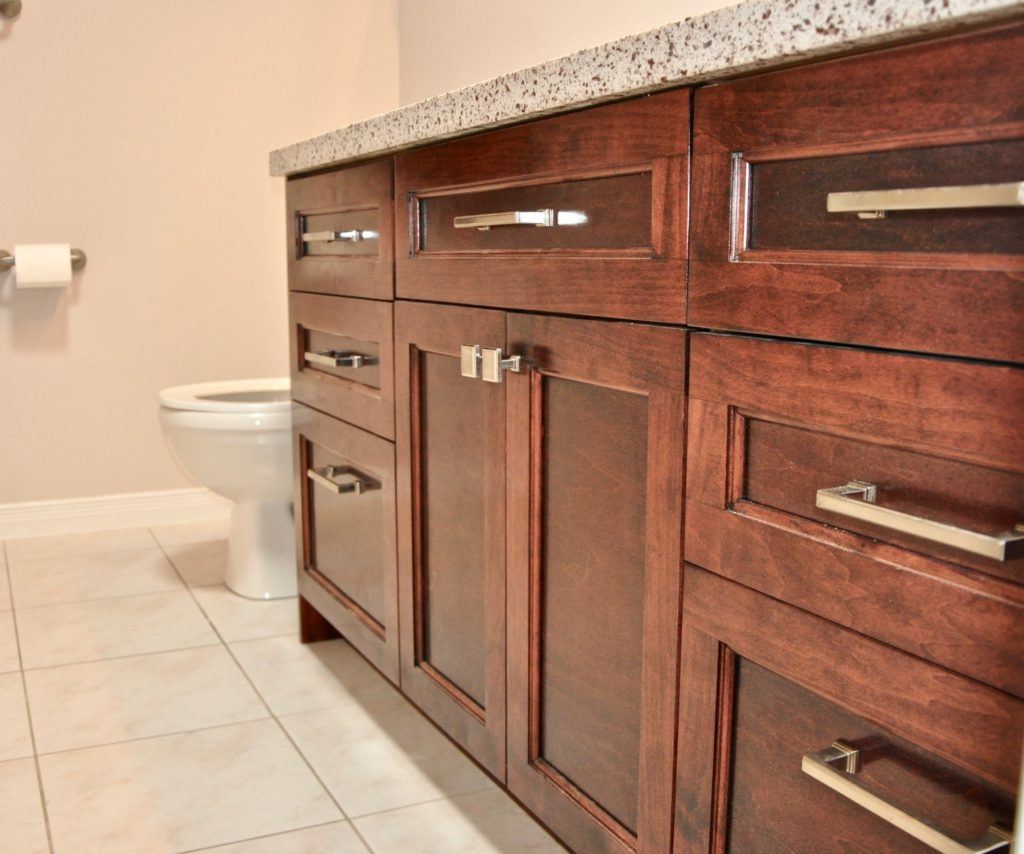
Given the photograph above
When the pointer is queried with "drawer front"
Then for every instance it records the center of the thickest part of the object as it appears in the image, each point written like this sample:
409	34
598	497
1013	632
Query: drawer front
583	214
343	360
340	238
792	168
767	691
780	436
345	502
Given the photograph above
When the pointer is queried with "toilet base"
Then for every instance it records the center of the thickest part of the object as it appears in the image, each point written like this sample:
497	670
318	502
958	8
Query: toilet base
261	548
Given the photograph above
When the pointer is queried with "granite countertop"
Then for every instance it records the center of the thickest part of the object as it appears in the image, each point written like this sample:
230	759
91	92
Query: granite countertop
752	35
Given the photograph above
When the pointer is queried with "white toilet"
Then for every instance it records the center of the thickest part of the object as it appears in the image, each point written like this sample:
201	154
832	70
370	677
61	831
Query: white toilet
235	438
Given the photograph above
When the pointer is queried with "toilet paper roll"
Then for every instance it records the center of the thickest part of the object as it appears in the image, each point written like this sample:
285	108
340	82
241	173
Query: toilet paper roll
42	265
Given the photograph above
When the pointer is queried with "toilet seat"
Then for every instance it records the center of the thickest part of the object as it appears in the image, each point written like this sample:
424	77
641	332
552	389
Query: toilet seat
231	396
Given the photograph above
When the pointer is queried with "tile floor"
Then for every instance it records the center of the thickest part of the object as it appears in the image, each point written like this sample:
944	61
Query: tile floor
146	708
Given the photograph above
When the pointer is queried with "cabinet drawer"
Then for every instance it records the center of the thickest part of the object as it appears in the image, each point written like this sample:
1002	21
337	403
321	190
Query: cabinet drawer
345	519
776	429
343	359
792	168
768	689
583	213
340	238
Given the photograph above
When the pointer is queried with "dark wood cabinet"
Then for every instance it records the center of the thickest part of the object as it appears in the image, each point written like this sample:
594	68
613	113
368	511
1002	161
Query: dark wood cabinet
767	689
451	531
592	210
345	533
595	484
769	255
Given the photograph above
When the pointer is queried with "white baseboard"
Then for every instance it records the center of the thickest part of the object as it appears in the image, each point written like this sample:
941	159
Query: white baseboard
101	512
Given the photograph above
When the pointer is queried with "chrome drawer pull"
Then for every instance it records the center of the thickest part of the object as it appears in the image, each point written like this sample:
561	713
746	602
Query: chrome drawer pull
837	499
822	767
873	204
484	222
339	359
359	484
353	236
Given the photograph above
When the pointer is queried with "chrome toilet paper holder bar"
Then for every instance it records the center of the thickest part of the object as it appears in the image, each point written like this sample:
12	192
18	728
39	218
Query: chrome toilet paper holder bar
78	259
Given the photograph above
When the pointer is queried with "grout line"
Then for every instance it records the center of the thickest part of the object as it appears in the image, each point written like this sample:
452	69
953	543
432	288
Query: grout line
274	717
119	657
28	710
489	788
267	836
97	599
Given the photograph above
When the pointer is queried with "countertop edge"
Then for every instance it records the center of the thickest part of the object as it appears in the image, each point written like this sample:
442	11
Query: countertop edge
752	36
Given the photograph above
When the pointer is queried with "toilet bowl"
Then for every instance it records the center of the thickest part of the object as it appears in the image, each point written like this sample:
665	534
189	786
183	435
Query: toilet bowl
235	438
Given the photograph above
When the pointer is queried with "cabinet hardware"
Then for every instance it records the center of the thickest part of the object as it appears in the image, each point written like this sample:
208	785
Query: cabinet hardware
484	222
838	499
470	359
493	366
822	766
359	484
339	359
873	204
352	236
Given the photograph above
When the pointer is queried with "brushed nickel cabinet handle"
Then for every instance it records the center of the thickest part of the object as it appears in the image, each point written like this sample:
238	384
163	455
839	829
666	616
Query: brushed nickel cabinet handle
873	204
836	767
338	359
469	360
352	236
484	222
359	484
493	365
841	500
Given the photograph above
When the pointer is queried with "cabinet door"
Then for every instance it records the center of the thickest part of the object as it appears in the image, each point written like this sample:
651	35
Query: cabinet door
771	693
345	526
595	488
451	487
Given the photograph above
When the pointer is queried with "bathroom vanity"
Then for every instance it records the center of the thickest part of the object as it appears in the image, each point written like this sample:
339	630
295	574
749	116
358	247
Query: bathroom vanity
667	452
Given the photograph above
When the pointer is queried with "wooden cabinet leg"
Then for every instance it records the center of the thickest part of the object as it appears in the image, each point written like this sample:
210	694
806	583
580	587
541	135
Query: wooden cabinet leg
313	626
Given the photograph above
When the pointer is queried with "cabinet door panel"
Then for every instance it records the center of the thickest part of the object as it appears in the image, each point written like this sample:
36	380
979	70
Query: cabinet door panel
451	450
346	535
765	685
595	465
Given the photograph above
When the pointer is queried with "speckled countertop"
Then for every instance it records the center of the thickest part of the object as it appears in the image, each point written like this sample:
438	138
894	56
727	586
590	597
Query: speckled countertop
754	34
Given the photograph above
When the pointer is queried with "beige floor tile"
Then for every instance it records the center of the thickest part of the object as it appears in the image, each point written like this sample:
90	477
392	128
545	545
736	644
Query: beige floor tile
22	827
15	739
200	564
62	545
180	792
336	838
237	618
79	578
381	755
470	824
293	677
110	628
182	533
137	697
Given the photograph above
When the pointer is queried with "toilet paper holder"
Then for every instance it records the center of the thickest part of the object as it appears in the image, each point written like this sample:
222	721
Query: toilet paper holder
78	260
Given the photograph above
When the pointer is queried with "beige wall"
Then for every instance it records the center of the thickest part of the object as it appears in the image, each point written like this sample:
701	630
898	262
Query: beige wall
138	130
446	44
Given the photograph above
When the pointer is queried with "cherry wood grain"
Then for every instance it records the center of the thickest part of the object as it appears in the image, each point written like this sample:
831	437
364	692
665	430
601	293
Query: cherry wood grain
772	422
365	396
451	528
339	199
595	465
571	161
768	147
789	683
346	543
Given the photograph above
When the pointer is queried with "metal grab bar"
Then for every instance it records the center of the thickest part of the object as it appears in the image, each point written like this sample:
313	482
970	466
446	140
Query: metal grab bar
354	235
359	484
821	765
873	204
837	499
339	359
